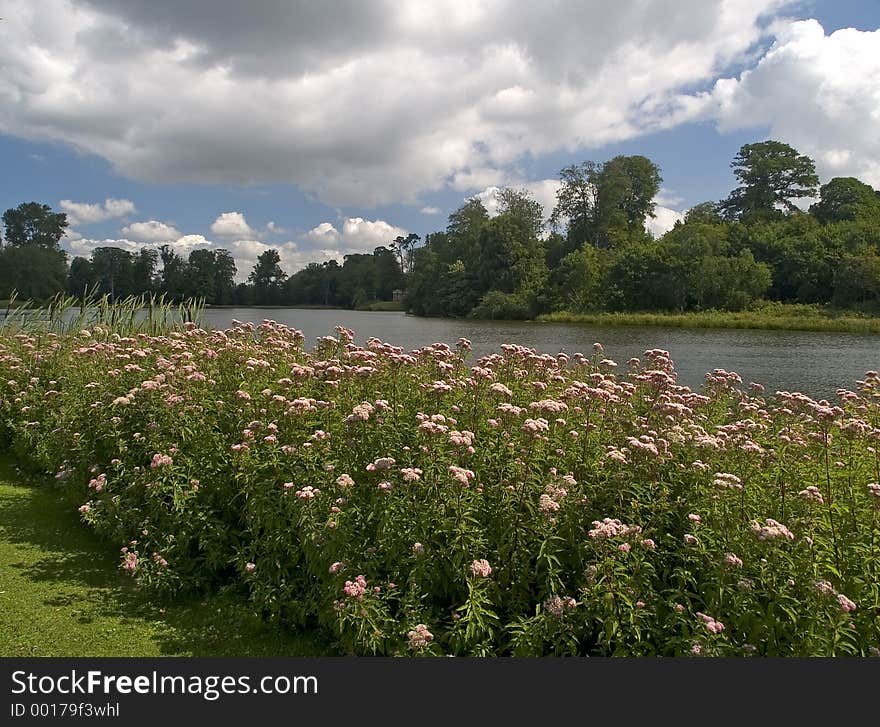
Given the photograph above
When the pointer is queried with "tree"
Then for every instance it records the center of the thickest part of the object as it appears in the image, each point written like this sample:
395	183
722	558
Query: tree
704	212
224	277
846	199
173	279
34	272
143	271
598	200
772	174
32	223
112	269
403	248
80	278
267	277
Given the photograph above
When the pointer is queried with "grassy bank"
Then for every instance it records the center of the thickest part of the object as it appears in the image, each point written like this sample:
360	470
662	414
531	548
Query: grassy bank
62	594
774	317
382	306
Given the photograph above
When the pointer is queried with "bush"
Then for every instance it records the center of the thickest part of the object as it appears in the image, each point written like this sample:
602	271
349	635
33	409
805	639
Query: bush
416	504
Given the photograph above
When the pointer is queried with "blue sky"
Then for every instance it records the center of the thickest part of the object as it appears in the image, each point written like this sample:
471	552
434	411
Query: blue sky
346	140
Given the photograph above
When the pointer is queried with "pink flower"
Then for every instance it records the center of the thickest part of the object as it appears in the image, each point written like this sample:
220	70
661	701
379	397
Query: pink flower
160	460
336	567
419	637
461	475
382	463
624	547
846	605
481	568
411	474
250	567
690	539
418	548
733	560
345	481
356	588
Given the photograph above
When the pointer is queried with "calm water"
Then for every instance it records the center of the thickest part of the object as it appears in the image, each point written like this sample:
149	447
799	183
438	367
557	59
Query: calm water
815	363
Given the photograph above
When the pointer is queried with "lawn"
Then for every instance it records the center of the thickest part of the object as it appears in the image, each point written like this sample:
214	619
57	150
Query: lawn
62	594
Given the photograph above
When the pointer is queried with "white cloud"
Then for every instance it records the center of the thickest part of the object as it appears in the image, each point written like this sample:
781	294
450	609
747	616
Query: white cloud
276	229
324	234
663	221
820	93
83	246
430	210
356	235
76	244
230	225
83	213
151	231
398	100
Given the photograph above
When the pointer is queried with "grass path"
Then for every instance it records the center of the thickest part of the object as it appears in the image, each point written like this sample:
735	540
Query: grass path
62	594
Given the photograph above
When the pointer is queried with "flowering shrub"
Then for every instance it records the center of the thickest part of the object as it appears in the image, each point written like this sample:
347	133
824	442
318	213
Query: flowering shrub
418	504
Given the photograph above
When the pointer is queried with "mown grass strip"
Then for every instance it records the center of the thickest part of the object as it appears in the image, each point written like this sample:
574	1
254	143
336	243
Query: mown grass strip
62	594
817	321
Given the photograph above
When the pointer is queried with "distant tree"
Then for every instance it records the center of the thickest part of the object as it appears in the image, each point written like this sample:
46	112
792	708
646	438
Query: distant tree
34	272
403	248
772	174
112	269
143	271
32	223
267	277
80	277
224	277
706	212
846	199
598	199
173	278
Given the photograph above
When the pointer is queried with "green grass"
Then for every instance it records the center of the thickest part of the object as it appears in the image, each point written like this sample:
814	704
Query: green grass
62	594
772	317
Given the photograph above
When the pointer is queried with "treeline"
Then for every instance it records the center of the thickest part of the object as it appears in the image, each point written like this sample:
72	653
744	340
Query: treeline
593	253
755	244
33	266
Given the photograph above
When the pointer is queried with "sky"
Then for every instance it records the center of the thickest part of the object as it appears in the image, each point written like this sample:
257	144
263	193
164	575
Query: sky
324	129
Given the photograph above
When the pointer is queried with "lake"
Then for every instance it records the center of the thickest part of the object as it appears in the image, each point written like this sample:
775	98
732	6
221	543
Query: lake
813	362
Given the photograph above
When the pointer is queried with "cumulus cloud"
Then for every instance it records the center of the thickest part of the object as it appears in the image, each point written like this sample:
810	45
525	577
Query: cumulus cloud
663	221
817	92
430	210
356	235
83	213
232	224
448	93
151	231
276	229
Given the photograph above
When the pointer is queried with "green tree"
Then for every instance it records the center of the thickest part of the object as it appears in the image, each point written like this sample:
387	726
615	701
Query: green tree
267	277
597	200
224	277
32	223
846	199
143	271
35	272
80	278
771	175
173	278
112	270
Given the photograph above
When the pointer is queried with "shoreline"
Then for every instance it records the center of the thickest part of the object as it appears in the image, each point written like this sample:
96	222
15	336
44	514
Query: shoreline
755	320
